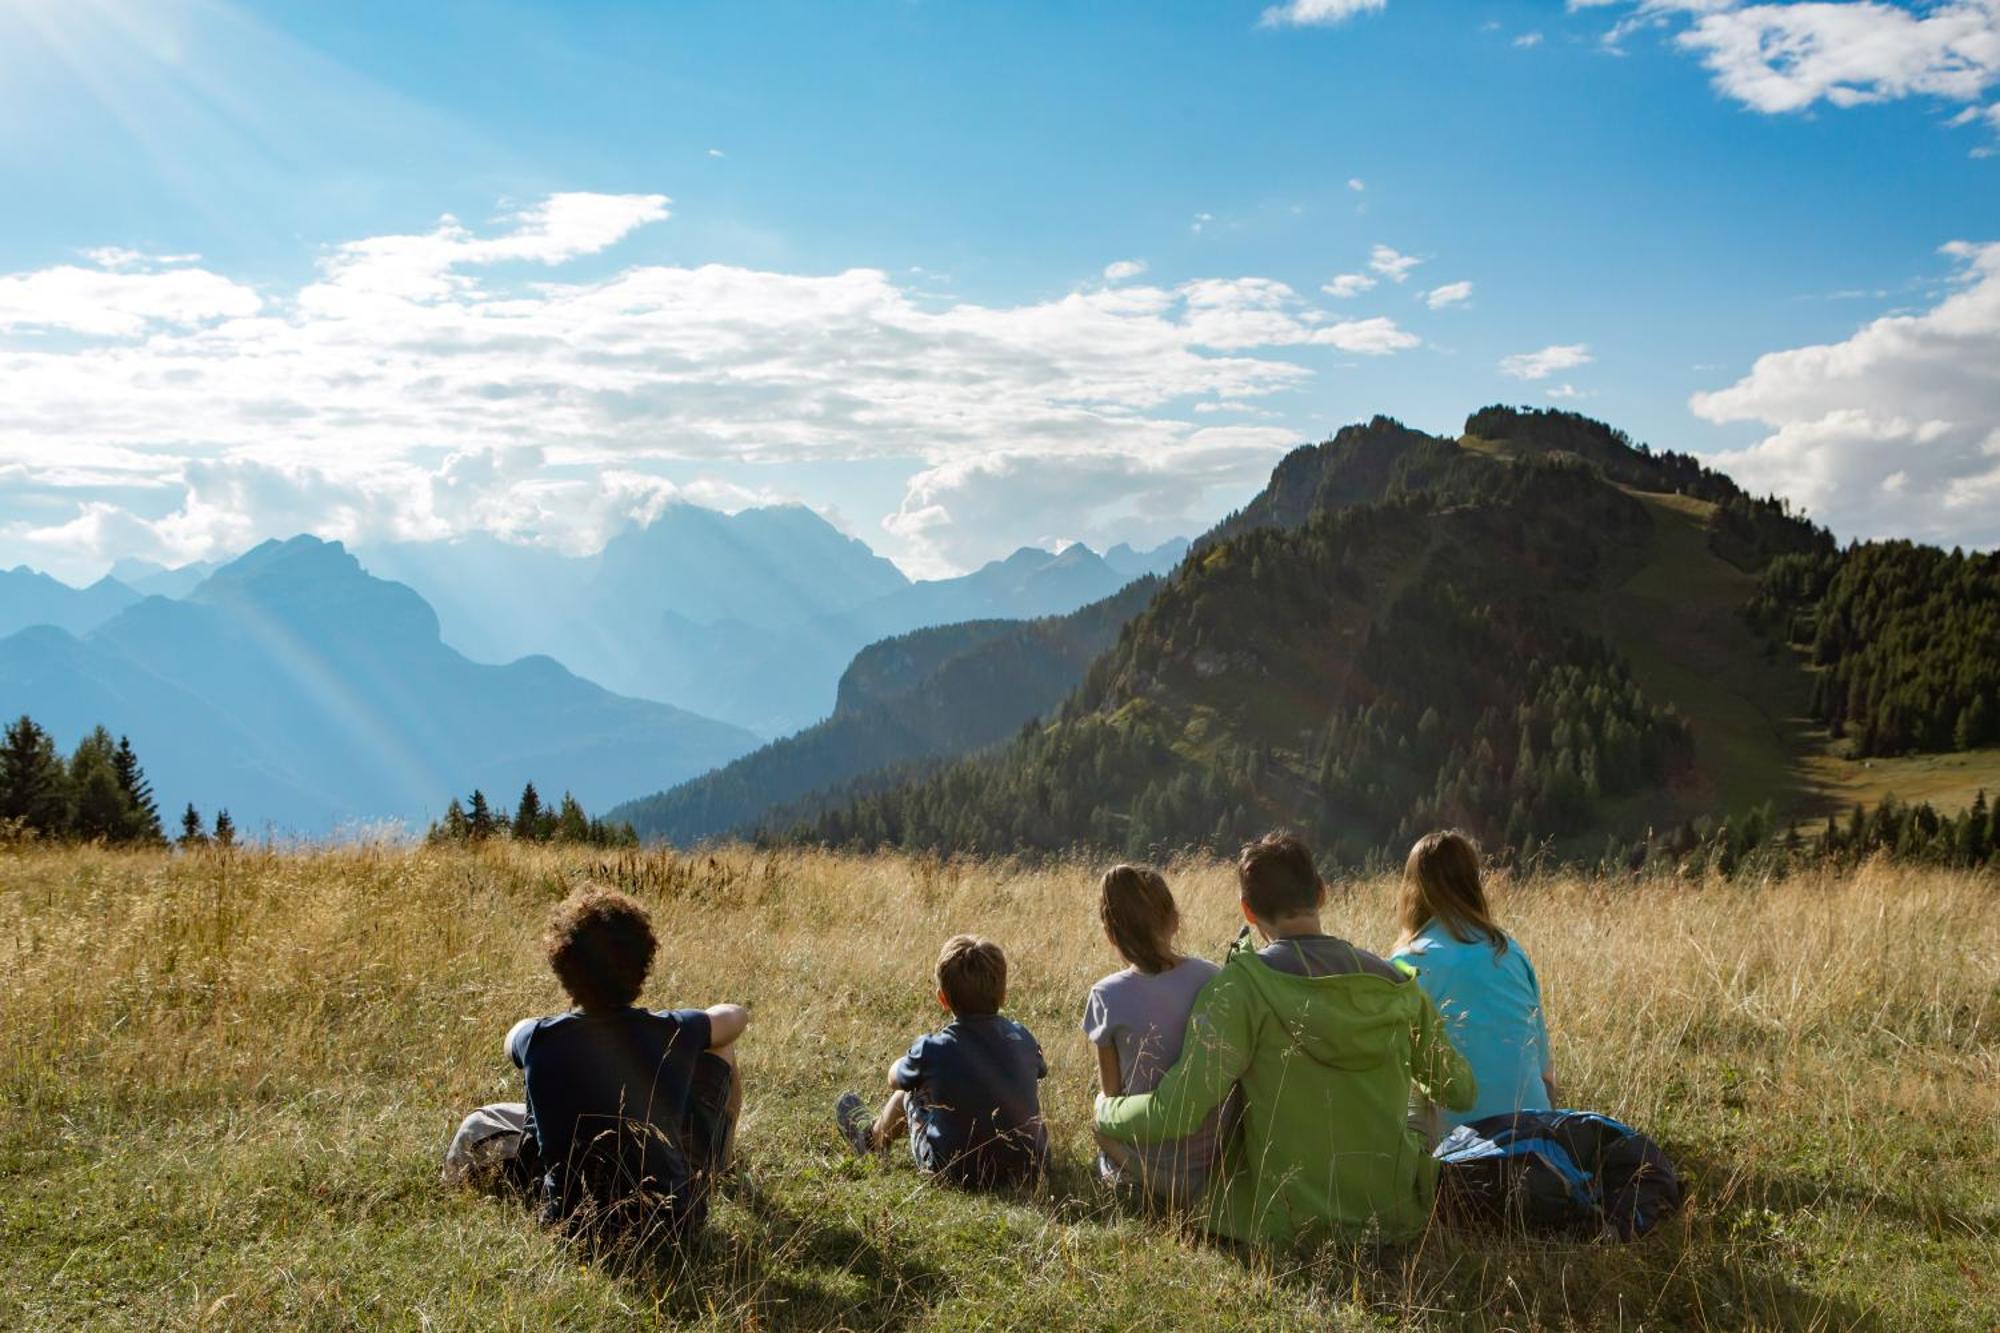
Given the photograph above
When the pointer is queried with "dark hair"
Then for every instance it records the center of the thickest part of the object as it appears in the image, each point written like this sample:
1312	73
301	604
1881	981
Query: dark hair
972	973
1276	876
600	944
1139	915
1441	884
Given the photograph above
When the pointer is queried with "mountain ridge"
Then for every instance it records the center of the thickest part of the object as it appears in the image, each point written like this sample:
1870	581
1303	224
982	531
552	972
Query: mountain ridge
342	704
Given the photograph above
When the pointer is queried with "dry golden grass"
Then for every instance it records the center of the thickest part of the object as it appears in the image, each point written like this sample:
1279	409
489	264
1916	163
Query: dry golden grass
225	1082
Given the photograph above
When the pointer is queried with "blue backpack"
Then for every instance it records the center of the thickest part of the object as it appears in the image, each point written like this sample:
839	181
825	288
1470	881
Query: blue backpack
1560	1172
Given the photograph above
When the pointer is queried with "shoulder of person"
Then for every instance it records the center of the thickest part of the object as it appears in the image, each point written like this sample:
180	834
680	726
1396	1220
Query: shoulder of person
1207	967
1112	981
1018	1031
1432	939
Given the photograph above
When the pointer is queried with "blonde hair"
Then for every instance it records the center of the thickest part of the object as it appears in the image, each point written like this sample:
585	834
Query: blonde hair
1138	912
972	973
1441	884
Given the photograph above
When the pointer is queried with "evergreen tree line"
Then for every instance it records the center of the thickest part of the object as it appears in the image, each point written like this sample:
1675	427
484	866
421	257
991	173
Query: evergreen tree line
533	820
1904	640
98	794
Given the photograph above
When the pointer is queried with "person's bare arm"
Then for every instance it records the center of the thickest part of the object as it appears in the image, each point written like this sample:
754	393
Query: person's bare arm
725	1024
1109	1076
1549	1082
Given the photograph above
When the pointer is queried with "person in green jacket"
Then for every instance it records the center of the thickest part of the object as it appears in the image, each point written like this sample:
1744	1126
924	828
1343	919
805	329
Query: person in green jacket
1327	1042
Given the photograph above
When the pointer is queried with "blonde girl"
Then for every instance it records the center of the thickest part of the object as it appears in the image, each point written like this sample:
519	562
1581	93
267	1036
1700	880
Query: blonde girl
1478	977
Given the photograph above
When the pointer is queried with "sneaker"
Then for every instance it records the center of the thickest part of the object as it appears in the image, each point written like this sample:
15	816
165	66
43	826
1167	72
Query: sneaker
856	1125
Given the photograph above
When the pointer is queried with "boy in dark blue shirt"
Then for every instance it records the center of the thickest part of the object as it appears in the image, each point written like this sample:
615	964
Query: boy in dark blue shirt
624	1104
966	1092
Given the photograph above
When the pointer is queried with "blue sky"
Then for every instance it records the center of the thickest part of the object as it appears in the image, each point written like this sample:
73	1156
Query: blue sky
859	255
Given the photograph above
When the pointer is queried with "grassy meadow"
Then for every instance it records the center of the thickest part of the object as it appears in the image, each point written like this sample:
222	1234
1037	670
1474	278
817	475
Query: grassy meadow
226	1080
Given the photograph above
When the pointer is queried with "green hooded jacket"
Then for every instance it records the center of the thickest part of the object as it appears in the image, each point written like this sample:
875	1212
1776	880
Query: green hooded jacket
1326	1065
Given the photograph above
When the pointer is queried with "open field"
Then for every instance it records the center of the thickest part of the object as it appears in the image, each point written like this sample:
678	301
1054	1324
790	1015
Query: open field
225	1083
1949	782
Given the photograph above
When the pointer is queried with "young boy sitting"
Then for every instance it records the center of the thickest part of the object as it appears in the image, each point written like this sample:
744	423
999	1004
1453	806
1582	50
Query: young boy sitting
1327	1041
631	1112
966	1092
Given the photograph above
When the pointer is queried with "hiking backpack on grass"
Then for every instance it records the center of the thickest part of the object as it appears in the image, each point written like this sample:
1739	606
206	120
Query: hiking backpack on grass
1562	1172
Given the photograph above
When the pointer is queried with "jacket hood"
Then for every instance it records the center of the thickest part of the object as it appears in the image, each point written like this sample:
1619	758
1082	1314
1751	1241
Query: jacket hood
1351	1022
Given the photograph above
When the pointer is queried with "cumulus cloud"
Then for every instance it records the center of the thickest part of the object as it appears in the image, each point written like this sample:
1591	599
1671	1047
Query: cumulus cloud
456	378
1121	269
1098	497
114	301
1788	57
1345	285
1895	430
1451	293
1540	365
1528	40
1356	184
1317	13
1391	264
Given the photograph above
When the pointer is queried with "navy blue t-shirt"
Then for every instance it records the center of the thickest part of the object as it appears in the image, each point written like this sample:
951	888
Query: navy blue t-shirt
975	1113
585	1071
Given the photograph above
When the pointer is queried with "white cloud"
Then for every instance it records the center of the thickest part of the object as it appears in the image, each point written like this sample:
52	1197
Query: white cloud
1356	184
717	152
1126	494
1344	285
1120	269
118	257
1317	13
1451	293
1911	395
1378	336
1528	40
1540	365
1788	57
1565	391
1201	221
115	302
422	384
1391	264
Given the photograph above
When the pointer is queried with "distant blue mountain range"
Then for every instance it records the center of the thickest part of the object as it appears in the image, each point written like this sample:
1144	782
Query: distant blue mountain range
303	694
305	687
747	617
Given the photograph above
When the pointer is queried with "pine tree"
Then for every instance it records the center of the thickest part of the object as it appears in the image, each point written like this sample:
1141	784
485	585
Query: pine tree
34	785
528	815
142	811
225	830
453	826
571	823
99	810
479	821
191	827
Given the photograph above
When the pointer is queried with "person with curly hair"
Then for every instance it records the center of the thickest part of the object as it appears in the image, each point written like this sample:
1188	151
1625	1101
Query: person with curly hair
631	1112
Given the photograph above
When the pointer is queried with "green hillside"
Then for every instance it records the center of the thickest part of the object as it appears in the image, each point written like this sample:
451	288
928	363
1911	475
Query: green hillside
934	693
1540	631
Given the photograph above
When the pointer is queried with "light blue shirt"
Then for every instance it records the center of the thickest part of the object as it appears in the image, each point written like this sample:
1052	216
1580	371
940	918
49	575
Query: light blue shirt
1492	1009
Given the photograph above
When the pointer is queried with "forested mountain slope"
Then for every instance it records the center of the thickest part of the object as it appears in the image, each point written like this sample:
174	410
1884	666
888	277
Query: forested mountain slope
936	692
1537	631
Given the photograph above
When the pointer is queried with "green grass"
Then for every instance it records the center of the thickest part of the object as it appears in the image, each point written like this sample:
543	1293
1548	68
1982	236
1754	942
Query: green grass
226	1083
1678	620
